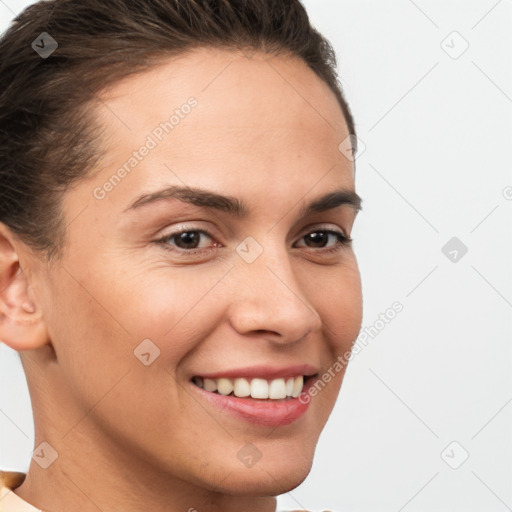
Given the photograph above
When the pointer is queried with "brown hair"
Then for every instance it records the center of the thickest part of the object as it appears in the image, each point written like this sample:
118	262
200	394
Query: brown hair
47	136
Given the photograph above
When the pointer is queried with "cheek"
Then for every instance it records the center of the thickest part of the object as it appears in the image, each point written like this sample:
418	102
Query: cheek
339	303
176	306
96	327
86	331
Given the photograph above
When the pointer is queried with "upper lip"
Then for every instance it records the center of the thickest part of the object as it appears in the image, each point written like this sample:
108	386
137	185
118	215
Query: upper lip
265	372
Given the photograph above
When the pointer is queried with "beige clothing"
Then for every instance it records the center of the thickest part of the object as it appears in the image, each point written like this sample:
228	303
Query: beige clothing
10	502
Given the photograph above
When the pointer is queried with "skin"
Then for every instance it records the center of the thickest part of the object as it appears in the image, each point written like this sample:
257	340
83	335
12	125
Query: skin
132	437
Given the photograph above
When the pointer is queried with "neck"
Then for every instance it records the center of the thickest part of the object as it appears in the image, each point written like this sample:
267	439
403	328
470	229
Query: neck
90	476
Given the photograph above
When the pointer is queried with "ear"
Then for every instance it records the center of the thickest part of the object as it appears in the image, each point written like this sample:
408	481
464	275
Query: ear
21	322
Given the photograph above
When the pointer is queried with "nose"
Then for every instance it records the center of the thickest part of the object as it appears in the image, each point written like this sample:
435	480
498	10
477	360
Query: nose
270	301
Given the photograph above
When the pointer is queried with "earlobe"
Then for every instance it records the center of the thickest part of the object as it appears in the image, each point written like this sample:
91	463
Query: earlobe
22	326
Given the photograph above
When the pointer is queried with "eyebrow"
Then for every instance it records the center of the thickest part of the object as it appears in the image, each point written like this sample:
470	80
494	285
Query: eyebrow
236	207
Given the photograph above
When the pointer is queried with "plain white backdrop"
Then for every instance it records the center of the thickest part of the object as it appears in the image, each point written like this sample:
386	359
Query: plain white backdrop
424	418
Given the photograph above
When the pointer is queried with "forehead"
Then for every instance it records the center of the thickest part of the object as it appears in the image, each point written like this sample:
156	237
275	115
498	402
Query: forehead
256	122
250	98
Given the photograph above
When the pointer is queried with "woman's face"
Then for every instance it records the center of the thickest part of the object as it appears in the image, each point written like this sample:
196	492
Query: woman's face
263	290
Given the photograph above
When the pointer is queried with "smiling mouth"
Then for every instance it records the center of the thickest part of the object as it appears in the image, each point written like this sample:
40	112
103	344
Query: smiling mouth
258	388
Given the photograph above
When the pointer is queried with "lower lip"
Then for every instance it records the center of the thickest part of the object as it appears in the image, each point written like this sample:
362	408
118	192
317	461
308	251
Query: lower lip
270	413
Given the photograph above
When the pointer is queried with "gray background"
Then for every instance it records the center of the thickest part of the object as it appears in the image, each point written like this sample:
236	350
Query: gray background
424	418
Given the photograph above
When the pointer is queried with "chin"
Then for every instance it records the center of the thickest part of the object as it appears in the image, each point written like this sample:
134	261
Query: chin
269	478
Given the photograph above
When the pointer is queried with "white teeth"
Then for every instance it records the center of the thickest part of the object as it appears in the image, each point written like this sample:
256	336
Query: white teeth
210	385
276	389
242	388
297	386
259	388
224	386
289	386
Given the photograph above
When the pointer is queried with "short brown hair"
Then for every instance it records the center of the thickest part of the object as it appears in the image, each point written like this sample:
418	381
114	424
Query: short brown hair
47	137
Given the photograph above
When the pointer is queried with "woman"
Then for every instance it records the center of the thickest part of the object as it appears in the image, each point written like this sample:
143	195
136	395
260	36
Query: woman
176	270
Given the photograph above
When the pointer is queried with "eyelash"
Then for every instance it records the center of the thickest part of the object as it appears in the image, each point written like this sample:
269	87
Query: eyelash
343	241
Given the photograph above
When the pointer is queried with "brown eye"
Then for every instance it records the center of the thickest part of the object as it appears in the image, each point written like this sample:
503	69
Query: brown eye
187	240
320	238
